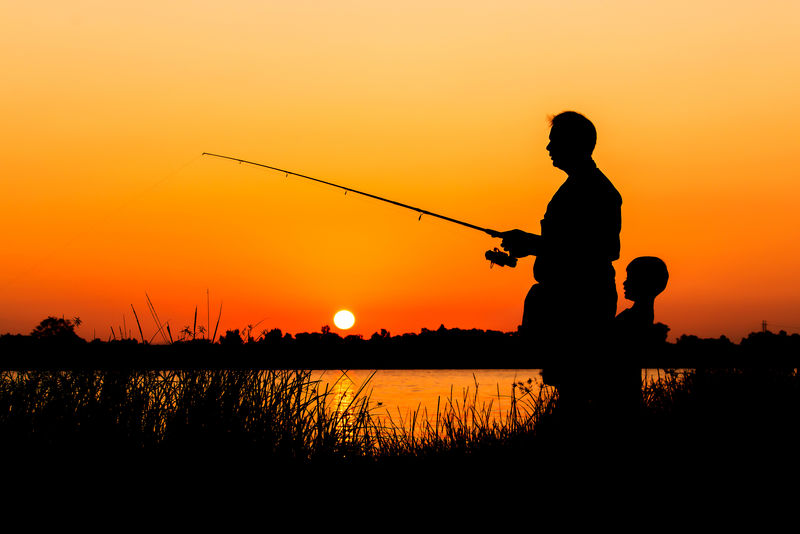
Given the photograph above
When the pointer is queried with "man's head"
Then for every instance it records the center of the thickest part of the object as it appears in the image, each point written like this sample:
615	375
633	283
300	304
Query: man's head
572	139
647	277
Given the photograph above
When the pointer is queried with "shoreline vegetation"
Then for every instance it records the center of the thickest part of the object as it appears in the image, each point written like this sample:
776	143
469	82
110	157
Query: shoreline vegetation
276	422
54	344
253	400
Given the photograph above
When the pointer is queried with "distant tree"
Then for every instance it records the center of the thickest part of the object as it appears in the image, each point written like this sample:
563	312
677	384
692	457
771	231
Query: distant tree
382	335
326	329
57	329
273	336
231	338
659	332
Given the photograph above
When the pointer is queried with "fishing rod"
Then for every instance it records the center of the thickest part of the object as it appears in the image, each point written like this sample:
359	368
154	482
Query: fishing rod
496	256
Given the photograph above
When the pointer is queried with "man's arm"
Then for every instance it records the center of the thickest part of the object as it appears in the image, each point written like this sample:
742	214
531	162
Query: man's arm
519	243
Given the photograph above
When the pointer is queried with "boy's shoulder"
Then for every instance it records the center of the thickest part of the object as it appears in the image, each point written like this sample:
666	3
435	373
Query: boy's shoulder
626	315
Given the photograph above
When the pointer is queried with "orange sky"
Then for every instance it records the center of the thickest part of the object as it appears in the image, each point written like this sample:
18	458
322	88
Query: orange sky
107	106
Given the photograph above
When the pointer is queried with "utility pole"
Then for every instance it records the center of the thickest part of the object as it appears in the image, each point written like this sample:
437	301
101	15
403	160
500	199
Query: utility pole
764	326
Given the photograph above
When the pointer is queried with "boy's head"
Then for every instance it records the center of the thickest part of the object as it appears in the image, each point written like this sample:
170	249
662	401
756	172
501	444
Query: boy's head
647	277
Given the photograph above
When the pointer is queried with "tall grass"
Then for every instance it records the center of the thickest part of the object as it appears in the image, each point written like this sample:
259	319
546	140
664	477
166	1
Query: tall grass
281	415
465	424
275	414
728	408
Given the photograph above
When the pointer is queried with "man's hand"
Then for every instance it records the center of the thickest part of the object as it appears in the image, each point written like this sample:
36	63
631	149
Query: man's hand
519	243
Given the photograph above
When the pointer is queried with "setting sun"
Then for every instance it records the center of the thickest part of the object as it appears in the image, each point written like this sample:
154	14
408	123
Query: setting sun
344	319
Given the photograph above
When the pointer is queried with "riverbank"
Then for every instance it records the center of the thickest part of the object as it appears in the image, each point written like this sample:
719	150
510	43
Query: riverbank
440	349
277	441
279	418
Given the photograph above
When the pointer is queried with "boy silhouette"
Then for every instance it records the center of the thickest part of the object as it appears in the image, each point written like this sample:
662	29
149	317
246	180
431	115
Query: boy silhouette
647	277
619	394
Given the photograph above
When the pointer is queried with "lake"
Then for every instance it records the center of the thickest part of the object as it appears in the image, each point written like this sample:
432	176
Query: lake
400	392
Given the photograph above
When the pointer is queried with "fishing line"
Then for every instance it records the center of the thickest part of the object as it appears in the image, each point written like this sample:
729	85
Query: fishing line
493	233
496	256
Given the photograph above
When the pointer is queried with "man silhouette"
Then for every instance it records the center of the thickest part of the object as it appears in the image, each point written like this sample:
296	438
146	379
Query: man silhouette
575	296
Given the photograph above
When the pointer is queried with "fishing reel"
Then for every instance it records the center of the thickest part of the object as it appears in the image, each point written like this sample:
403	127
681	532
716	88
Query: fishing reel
498	257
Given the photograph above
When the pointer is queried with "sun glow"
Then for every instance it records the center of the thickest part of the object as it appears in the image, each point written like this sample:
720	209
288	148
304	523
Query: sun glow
693	102
344	319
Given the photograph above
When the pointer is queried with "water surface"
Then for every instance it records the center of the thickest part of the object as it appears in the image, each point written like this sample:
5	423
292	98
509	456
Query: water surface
400	392
397	394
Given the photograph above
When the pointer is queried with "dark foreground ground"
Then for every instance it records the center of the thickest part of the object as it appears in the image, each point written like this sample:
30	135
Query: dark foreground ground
730	427
665	473
703	426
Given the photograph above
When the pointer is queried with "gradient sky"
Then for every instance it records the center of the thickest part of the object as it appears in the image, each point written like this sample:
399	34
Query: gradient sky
107	107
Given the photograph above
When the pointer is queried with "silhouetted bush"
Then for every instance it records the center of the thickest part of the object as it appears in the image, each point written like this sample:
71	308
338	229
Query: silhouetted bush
57	330
231	338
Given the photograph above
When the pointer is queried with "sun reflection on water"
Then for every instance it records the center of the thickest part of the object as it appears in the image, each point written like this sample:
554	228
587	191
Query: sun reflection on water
410	398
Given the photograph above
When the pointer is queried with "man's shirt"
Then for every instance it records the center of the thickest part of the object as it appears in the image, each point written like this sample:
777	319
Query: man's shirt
580	232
